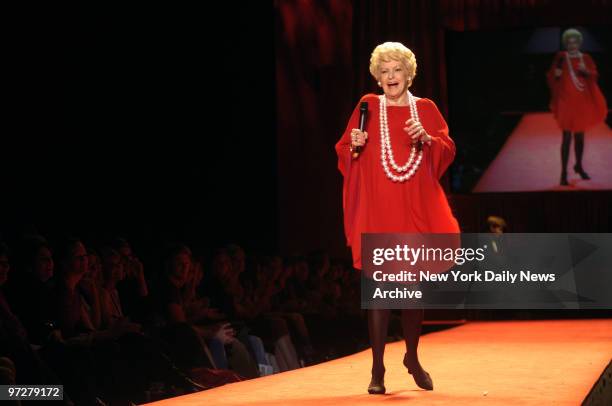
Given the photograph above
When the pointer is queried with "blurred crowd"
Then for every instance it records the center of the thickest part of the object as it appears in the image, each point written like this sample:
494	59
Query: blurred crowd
114	329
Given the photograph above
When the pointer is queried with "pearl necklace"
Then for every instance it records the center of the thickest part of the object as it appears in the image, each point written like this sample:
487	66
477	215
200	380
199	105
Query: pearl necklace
577	83
385	144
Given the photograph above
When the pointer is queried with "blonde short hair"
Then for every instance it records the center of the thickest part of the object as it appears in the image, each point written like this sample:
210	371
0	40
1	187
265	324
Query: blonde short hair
571	33
395	51
496	221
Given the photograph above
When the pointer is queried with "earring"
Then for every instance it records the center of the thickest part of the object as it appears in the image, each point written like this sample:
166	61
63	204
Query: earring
379	85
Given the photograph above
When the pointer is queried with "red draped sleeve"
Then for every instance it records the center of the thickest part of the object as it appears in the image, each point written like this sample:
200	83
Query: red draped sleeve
349	168
575	109
442	146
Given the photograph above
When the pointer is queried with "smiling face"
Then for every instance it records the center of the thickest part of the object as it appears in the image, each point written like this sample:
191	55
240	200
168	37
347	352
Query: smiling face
393	79
573	44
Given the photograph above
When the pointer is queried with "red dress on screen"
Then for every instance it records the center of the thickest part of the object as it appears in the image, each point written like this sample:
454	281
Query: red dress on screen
373	203
575	110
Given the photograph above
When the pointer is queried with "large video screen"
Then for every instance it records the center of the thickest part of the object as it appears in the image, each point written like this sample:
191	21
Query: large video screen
526	113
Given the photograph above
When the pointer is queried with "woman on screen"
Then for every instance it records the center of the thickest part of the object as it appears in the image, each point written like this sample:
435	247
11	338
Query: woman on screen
576	101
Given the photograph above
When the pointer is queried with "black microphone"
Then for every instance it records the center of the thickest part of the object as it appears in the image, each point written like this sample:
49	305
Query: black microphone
363	115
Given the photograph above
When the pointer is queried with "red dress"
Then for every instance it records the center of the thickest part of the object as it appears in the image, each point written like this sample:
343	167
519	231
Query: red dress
573	109
373	203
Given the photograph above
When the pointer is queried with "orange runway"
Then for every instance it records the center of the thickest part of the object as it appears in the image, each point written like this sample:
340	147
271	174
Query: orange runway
493	363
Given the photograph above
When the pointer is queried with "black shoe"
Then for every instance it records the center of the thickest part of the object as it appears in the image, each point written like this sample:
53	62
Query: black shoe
581	172
377	384
421	377
377	387
564	179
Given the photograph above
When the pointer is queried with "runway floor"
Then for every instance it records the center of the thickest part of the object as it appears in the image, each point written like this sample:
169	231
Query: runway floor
530	159
479	363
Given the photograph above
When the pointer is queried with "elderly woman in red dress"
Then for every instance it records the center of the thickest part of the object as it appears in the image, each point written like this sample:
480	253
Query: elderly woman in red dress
391	183
576	101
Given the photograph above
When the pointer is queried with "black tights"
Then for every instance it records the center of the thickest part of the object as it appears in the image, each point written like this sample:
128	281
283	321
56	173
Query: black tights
578	149
378	322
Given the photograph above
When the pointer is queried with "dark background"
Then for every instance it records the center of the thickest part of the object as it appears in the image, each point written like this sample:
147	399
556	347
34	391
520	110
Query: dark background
216	123
146	120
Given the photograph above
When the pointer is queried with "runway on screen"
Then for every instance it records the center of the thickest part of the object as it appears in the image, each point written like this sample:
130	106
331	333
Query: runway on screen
479	363
530	160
